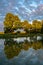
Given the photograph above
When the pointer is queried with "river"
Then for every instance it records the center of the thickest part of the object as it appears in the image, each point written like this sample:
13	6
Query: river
21	51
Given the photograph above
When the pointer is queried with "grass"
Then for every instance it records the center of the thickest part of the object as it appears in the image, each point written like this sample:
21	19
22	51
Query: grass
12	35
1	32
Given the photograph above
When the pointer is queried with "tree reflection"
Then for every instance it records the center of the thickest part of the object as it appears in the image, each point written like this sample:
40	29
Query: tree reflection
37	45
13	48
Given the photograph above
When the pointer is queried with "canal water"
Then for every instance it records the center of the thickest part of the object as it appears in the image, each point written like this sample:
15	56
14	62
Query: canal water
21	51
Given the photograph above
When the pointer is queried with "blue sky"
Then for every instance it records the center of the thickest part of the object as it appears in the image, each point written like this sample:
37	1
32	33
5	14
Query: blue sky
25	9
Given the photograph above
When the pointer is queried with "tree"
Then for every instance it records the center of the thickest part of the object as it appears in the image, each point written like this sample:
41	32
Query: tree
36	25
8	22
11	22
26	25
42	26
16	23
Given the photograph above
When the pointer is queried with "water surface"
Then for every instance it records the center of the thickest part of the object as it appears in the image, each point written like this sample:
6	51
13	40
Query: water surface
21	51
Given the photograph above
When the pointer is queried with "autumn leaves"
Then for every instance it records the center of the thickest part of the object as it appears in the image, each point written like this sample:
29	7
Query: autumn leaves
12	22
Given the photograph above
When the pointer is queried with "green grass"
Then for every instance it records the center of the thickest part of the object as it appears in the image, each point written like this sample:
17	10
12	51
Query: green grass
9	35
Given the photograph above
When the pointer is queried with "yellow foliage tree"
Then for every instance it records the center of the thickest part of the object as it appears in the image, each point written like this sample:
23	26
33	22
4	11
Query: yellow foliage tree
8	22
11	22
36	25
17	22
9	19
26	24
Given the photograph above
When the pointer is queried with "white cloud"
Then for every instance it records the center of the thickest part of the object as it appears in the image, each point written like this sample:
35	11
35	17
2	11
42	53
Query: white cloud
28	9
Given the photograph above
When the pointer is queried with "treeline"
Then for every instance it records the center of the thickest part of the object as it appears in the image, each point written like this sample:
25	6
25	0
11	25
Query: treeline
12	22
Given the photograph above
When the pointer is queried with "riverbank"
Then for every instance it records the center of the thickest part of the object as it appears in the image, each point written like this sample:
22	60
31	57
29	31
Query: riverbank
11	35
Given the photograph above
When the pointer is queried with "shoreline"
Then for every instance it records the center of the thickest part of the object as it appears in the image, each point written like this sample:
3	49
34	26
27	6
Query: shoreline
13	35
